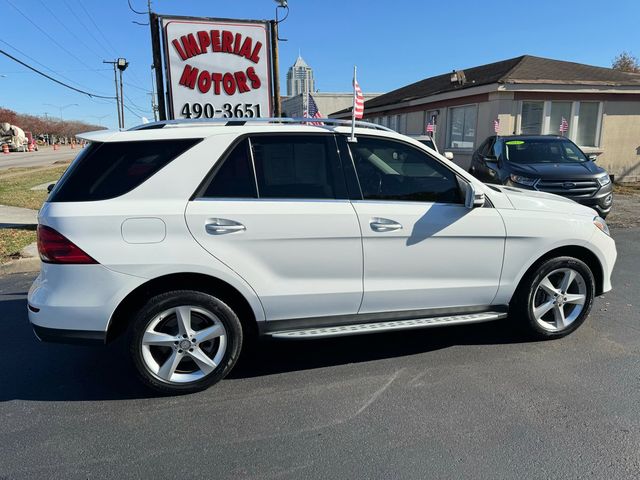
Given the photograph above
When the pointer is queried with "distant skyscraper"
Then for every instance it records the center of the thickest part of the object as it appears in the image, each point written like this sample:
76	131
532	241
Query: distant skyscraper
300	78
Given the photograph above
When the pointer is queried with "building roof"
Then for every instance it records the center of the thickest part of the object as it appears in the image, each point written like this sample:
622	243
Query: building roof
524	69
300	62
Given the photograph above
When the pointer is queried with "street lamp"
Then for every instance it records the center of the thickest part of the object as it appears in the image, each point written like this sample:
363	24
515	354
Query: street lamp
62	107
99	118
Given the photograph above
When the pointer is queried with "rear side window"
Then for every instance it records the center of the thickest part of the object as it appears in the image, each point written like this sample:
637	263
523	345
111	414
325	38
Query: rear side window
234	178
298	166
108	170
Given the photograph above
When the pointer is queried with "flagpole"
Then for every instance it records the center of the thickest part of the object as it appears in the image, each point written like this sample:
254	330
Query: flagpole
353	109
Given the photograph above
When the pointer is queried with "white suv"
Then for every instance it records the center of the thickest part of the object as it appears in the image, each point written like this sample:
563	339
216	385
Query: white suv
190	237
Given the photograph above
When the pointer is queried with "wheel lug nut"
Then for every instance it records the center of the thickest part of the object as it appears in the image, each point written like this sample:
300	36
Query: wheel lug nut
175	343
193	340
191	349
179	351
184	336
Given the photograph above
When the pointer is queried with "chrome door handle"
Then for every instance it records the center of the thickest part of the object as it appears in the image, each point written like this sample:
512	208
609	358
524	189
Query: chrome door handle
384	225
219	226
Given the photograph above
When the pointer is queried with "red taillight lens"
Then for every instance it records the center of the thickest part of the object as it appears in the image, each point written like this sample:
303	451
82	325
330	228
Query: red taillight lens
55	248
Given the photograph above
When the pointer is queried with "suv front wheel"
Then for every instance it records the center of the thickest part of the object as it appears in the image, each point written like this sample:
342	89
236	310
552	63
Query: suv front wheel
555	298
184	341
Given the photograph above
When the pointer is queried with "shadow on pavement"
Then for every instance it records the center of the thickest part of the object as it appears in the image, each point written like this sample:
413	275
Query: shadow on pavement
32	370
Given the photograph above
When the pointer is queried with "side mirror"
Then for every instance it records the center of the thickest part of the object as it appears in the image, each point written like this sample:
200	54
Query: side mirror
448	155
473	199
50	187
593	157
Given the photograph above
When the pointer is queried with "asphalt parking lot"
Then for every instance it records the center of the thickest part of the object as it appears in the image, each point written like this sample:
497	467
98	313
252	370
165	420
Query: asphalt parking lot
475	402
44	156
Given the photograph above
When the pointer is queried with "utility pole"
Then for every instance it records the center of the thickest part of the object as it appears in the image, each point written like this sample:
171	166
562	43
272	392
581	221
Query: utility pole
120	64
154	24
154	105
277	108
115	77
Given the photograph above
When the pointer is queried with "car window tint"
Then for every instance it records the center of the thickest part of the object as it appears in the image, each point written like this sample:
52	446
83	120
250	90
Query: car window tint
297	166
389	170
484	148
429	143
234	178
543	150
108	170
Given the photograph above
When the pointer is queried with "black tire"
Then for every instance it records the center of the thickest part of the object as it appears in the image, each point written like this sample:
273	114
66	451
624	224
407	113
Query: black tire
167	301
523	300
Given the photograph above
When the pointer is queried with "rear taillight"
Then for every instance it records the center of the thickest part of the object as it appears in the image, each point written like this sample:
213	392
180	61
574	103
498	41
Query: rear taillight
55	248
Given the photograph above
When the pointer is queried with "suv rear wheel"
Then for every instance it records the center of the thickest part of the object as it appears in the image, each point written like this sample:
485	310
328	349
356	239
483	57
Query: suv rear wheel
555	298
184	341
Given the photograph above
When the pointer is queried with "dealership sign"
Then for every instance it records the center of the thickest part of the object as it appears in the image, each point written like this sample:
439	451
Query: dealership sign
217	68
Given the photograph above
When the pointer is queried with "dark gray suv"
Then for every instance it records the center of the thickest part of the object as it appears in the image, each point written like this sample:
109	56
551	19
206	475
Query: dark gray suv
546	163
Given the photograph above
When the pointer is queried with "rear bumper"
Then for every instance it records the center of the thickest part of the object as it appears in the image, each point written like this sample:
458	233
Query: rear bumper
78	337
74	303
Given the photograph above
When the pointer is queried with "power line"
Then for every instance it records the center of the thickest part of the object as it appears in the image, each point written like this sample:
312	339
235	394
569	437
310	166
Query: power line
46	67
68	29
81	22
134	10
137	87
92	95
133	112
96	26
109	44
48	36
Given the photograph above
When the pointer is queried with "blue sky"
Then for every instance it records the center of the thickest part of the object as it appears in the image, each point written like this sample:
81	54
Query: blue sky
393	43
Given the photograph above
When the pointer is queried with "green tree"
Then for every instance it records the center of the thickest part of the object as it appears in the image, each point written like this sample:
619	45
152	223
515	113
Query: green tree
626	62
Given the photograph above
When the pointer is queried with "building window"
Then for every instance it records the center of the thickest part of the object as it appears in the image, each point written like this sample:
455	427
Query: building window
461	131
559	110
393	125
583	118
531	123
402	123
587	124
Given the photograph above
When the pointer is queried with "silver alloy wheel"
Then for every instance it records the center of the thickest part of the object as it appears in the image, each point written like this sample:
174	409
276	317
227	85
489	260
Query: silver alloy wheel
183	344
559	299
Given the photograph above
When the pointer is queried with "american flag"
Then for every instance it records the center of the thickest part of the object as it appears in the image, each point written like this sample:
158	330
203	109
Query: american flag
429	127
359	100
564	125
496	125
312	111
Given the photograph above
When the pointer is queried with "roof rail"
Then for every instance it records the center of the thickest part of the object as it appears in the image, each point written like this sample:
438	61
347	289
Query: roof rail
200	122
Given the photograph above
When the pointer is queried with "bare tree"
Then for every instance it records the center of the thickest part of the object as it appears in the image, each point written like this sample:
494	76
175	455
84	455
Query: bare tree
39	125
626	62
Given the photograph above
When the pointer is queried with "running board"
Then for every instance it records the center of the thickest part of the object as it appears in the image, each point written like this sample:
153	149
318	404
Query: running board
357	329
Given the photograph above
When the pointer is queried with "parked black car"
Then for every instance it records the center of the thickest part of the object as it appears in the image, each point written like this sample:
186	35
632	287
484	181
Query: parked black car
547	163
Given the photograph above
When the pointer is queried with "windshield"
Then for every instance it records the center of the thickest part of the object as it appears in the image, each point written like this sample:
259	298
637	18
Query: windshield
542	150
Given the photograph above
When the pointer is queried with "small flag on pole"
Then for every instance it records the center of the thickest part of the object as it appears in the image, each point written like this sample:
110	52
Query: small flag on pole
430	128
313	111
564	126
358	106
496	125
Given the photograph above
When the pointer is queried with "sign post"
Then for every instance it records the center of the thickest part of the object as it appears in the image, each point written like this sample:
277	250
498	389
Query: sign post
218	68
154	24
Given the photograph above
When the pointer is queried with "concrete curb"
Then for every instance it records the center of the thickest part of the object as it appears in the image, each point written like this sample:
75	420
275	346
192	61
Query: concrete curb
30	261
22	265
